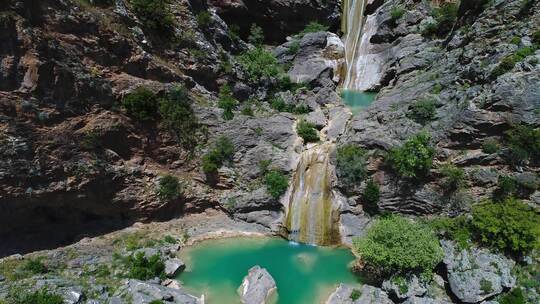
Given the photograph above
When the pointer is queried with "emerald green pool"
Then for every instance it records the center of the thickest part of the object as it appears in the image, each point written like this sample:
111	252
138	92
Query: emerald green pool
303	273
357	101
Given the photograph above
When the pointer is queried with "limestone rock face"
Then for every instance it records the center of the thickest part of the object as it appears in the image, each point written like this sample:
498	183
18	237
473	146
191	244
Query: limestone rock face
476	274
173	267
145	292
404	288
257	287
346	294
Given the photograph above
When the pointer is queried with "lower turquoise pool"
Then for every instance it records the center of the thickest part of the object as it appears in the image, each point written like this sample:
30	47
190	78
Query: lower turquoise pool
357	101
303	274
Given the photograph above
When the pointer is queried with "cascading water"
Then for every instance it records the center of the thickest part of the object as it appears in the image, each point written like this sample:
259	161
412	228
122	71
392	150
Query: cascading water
351	24
312	217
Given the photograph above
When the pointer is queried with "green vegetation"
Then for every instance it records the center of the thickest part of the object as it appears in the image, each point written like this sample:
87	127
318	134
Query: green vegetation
514	297
227	102
396	13
157	302
486	286
457	229
490	146
307	131
423	111
276	183
314	27
154	14
515	40
204	19
222	151
445	17
401	283
256	36
371	197
178	116
414	158
508	62
42	296
351	165
397	245
294	47
355	294
169	188
259	64
536	38
141	268
277	103
506	187
453	177
141	104
35	266
523	142
510	226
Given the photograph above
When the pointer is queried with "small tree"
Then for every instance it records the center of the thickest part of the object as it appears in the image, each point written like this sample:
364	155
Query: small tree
178	116
227	102
154	14
371	196
351	164
259	64
307	131
276	183
222	151
397	245
423	111
454	177
256	36
169	188
414	158
141	104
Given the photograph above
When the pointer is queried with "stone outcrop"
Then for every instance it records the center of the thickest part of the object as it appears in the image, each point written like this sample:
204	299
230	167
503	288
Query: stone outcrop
144	292
257	287
346	294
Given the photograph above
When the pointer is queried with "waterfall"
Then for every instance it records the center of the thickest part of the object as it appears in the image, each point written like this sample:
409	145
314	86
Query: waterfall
312	217
351	24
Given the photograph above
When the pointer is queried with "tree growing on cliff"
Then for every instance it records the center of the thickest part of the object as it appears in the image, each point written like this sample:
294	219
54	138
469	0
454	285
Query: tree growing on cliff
414	158
351	165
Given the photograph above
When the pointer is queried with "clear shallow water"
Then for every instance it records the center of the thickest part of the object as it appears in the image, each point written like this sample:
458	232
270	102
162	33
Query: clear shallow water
304	274
357	101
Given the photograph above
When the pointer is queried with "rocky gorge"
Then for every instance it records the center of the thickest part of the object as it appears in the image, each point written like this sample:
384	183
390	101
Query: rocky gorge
130	131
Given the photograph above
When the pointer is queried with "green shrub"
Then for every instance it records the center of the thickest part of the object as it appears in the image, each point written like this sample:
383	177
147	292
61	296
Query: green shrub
453	177
355	294
169	188
35	266
307	131
509	226
276	183
259	64
42	296
486	286
457	229
222	151
515	40
524	144
178	116
277	103
204	19
514	297
414	158
445	17
397	245
314	27
536	38
154	14
227	102
423	111
141	268
256	35
351	164
247	110
396	13
371	197
141	104
294	47
157	302
508	62
490	146
506	187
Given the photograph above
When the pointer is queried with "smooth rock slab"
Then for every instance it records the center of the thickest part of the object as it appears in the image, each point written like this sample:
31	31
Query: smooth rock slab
476	274
366	295
257	287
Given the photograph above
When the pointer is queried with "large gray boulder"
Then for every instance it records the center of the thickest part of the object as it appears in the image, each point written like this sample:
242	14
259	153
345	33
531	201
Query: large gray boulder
346	294
144	292
404	287
173	267
476	274
257	287
425	300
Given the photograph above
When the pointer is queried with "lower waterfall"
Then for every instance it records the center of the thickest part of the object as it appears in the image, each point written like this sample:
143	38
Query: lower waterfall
312	216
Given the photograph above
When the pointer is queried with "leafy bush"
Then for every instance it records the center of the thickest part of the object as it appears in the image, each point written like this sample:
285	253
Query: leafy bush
396	13
351	164
222	151
414	158
514	297
486	286
314	27
277	103
515	40
509	226
423	111
154	14
157	302
178	116
227	102
508	62
490	146
524	144
35	266
397	245
256	36
536	38
141	104
355	294
294	47
506	187
259	64
276	183
371	197
457	229
307	131
42	296
141	268
454	177
204	19
445	16
169	188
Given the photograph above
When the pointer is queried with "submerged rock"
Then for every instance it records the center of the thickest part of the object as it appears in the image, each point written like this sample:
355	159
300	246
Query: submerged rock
257	287
476	274
346	294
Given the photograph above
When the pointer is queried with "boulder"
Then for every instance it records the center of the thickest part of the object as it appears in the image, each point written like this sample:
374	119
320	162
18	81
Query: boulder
257	287
476	274
346	294
426	300
144	292
173	267
404	287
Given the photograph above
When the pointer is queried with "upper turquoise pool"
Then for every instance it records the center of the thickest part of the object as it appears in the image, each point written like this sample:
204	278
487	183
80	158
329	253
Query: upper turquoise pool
357	101
303	274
